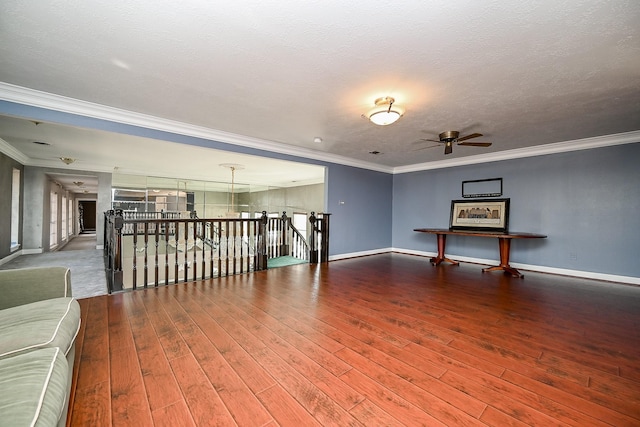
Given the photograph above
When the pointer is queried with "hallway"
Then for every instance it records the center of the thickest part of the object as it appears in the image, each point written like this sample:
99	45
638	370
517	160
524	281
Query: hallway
80	256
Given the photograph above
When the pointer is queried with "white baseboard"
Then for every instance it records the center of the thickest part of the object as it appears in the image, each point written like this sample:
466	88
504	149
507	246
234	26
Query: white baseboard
537	268
31	251
359	254
8	258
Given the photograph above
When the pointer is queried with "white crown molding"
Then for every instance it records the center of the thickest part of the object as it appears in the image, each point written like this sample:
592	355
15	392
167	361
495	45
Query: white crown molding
519	153
8	150
35	98
49	101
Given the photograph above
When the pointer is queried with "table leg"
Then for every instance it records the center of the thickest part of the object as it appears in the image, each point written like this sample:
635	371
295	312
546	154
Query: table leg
505	249
442	240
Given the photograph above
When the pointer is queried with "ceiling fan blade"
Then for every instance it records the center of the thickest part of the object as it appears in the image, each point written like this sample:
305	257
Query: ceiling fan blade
473	135
430	140
448	149
424	148
476	144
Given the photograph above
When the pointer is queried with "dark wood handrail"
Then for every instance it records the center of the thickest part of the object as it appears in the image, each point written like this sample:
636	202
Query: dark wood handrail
153	251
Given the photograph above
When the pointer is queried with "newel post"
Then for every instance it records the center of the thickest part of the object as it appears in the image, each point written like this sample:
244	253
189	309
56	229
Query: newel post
313	250
284	246
262	242
324	242
118	224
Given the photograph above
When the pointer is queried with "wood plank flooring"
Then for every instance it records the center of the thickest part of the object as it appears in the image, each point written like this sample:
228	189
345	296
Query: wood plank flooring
382	340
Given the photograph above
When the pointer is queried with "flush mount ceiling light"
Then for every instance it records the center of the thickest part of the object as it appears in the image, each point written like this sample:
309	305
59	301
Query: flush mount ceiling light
67	160
385	112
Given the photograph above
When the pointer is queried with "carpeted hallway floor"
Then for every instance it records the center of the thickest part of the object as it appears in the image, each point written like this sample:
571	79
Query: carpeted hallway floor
80	256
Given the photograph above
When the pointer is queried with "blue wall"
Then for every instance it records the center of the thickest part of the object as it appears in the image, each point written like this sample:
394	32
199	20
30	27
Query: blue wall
586	202
361	223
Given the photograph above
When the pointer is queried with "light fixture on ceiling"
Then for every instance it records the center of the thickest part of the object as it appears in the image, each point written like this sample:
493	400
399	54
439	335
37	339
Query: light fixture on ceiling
385	112
234	167
78	183
67	160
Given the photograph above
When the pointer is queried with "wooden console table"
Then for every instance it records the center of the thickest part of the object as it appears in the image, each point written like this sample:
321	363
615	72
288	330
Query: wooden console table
504	243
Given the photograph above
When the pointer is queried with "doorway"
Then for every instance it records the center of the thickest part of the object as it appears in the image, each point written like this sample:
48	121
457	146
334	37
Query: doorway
87	216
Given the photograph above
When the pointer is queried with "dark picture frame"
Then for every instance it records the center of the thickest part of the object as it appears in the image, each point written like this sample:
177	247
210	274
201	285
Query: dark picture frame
491	187
480	215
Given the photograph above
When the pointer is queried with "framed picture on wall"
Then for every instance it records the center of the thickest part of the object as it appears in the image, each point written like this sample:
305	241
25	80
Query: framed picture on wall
480	214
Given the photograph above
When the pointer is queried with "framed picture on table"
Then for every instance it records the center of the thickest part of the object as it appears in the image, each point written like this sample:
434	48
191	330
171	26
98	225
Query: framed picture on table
480	214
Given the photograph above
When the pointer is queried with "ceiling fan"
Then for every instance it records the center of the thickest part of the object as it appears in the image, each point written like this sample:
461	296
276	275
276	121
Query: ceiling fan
451	136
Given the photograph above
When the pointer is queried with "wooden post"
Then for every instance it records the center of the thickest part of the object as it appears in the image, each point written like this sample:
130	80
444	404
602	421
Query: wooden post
118	223
284	247
313	250
262	242
324	243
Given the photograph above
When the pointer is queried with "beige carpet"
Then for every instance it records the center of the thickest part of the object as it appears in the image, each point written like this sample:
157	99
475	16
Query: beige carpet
88	277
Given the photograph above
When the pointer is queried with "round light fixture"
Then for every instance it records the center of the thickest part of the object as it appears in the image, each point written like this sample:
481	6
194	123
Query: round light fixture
385	113
67	160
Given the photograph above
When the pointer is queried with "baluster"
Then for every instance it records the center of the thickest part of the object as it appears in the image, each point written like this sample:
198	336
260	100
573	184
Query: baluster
176	269
135	256
146	254
203	238
242	229
186	251
157	235
166	253
211	244
195	250
235	247
226	266
219	248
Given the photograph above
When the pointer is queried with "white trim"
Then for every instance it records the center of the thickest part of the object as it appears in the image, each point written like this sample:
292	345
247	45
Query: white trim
51	339
537	268
9	150
32	251
519	153
8	258
67	282
45	386
359	254
36	98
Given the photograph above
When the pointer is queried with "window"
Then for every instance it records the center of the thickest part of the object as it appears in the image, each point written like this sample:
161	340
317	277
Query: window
15	210
65	222
53	222
70	217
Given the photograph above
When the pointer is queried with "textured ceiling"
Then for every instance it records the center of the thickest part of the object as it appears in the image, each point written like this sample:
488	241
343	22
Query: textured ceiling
523	73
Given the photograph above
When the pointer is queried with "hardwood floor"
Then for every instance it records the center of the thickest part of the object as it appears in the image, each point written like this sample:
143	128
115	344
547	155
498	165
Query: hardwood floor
379	340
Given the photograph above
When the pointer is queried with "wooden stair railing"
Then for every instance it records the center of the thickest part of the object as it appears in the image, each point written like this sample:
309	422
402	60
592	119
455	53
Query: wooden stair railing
286	239
142	252
151	252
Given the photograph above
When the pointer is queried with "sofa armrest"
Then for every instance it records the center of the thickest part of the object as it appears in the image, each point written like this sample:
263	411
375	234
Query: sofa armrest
27	285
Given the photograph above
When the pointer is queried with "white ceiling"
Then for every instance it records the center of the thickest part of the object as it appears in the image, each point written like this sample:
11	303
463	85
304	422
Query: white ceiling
523	73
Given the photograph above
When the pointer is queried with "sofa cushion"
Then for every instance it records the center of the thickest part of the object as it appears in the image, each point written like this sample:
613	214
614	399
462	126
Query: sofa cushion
33	388
50	323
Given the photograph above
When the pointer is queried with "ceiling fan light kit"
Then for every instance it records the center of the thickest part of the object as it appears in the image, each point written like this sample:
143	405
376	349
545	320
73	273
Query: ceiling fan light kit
385	113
